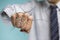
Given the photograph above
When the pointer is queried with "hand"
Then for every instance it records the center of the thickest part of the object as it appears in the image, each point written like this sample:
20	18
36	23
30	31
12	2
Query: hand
23	21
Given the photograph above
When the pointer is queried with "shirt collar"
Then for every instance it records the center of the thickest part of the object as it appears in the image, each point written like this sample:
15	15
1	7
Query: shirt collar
58	4
47	4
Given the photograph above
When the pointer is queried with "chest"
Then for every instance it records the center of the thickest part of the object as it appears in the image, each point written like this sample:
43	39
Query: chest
43	13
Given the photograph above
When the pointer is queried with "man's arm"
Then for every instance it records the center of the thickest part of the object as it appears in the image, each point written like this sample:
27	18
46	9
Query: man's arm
23	19
14	14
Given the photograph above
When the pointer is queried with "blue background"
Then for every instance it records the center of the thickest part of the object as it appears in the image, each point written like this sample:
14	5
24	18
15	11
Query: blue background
4	3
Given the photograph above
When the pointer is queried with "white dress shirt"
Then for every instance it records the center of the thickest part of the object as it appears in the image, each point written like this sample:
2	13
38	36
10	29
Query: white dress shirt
41	25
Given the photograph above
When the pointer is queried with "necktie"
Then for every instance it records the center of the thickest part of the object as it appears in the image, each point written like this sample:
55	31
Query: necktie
54	23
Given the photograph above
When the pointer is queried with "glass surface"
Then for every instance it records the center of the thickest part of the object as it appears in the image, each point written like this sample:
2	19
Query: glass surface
7	31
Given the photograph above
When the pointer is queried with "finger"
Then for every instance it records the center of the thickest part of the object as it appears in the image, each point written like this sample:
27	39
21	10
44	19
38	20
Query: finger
24	26
24	21
19	15
13	19
29	25
30	17
26	14
26	18
18	25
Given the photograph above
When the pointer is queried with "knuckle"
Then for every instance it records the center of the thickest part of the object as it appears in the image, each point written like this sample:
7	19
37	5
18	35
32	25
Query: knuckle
31	17
26	14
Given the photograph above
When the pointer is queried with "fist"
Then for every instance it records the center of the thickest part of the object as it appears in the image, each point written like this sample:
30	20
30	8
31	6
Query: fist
23	21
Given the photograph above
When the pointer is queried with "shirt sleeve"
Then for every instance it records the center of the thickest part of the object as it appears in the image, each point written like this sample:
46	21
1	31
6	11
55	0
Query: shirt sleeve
27	7
17	8
9	10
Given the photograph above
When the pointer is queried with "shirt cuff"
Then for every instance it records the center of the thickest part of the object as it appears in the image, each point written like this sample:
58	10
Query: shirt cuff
9	12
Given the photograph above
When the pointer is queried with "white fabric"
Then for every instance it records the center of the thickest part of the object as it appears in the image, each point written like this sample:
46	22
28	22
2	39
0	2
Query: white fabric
12	9
15	8
40	29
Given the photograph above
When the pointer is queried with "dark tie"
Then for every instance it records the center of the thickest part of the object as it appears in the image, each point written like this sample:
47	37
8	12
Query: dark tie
54	23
